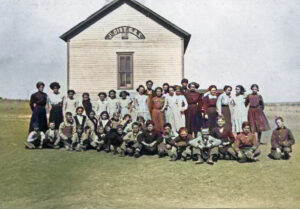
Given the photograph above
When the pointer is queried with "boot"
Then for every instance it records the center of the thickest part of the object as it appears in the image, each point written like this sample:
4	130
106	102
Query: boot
136	154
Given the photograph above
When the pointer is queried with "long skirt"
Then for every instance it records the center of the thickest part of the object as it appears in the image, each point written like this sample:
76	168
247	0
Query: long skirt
39	117
193	118
258	120
56	115
158	118
175	118
227	115
212	118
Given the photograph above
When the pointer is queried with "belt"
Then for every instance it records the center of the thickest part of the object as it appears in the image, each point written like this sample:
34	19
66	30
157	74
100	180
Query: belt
225	105
254	106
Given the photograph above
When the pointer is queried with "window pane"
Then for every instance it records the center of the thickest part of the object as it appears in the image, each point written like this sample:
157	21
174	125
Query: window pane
122	64
122	79
128	78
128	64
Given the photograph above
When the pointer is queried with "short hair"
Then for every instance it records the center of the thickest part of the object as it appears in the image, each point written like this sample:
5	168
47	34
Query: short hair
135	124
211	87
168	125
124	92
246	123
140	86
85	94
254	85
149	122
279	118
80	107
54	84
182	129
184	81
158	88
126	115
195	84
166	84
69	113
40	83
140	117
172	87
102	93
227	87
149	81
112	91
71	91
242	89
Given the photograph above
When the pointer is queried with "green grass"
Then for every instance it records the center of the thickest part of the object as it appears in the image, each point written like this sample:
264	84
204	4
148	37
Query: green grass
60	179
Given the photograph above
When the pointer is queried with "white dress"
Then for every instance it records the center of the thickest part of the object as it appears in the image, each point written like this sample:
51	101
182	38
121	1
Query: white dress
141	106
100	106
124	105
70	105
239	113
112	106
173	113
184	105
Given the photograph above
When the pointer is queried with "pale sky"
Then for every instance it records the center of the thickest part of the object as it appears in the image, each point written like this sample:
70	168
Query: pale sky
233	42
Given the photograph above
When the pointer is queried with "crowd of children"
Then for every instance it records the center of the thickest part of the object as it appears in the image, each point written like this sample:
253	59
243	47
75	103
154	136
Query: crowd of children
176	121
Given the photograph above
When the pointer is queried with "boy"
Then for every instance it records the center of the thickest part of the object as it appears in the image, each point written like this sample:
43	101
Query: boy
180	147
52	138
80	139
130	143
66	131
35	138
98	140
205	147
112	140
167	140
80	119
281	141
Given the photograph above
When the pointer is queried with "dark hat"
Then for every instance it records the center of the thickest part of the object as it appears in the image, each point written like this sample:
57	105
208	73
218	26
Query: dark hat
54	84
40	83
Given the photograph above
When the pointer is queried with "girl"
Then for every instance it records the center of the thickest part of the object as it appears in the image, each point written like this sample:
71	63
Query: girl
86	103
238	109
157	107
141	122
101	104
55	100
183	105
223	107
38	103
165	88
92	121
104	119
256	116
70	103
140	103
112	103
124	103
210	107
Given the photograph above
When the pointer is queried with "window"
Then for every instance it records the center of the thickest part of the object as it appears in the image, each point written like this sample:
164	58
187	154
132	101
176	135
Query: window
125	70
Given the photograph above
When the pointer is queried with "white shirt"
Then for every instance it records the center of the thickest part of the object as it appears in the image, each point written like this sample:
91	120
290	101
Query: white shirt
100	106
55	99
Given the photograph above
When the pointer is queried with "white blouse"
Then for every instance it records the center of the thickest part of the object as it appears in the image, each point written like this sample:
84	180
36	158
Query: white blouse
55	99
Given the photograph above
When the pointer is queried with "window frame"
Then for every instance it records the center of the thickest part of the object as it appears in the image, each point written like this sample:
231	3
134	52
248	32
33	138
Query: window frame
119	54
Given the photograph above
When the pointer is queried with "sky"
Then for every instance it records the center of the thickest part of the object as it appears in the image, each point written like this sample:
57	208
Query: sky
233	42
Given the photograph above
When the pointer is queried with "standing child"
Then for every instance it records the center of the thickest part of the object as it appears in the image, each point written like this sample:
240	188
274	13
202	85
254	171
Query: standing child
112	103
256	116
124	103
101	104
86	103
70	103
66	131
140	104
35	138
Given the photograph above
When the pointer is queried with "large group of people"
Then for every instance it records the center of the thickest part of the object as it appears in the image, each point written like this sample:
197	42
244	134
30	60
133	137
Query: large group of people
177	121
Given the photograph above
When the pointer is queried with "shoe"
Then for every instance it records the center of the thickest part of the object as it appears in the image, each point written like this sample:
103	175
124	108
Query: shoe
136	154
29	145
210	162
199	161
173	158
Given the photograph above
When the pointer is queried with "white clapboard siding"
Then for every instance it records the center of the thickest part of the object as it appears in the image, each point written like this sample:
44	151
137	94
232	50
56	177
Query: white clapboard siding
93	60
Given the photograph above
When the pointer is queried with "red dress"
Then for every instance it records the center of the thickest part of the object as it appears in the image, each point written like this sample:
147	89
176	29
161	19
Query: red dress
158	117
210	108
193	116
256	116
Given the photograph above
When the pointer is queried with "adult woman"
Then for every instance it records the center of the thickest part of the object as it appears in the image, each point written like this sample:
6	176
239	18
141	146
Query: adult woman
193	114
55	100
38	103
140	103
223	107
157	113
182	106
210	107
256	116
238	109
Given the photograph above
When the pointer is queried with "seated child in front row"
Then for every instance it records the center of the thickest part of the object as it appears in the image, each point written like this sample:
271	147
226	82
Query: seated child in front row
281	141
246	145
167	138
180	146
35	138
130	143
80	139
52	138
66	131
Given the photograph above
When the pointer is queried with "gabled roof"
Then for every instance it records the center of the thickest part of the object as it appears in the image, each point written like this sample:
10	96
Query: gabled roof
134	4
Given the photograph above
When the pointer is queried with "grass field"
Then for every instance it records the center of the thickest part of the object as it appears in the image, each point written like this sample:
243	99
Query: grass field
51	179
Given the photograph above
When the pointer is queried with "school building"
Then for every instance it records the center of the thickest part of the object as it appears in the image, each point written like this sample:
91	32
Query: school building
122	45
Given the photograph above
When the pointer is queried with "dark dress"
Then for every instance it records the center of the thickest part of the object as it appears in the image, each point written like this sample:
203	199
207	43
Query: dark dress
210	108
87	105
158	117
38	103
256	116
193	114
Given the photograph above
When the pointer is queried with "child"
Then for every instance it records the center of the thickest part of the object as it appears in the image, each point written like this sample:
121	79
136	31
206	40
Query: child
246	145
52	138
115	121
101	104
86	103
130	144
55	101
141	122
124	103
66	131
80	119
92	121
149	139
167	140
112	103
98	142
180	146
127	122
112	140
35	138
104	119
80	139
70	103
205	147
281	141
